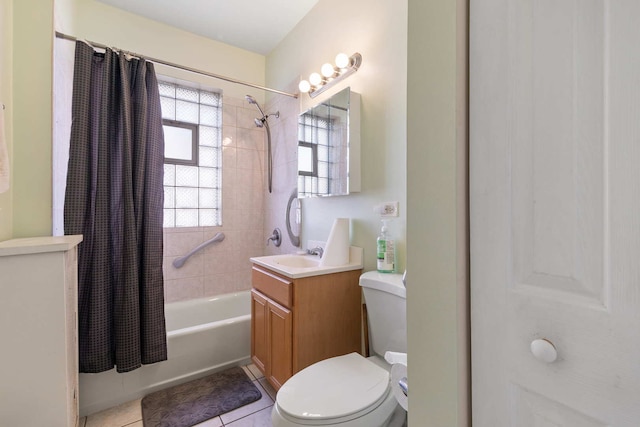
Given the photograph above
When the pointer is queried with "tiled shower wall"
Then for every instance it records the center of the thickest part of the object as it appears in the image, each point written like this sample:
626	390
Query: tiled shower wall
284	135
224	267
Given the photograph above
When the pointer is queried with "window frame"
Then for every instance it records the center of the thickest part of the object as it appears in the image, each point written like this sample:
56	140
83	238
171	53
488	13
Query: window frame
195	130
314	158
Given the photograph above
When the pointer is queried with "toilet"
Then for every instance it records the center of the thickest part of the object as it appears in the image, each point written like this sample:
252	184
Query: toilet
351	390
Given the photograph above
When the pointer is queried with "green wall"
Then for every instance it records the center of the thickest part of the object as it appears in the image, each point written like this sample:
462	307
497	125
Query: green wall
6	97
437	290
32	112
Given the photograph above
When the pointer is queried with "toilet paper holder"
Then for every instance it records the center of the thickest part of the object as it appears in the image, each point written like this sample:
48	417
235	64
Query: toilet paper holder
398	381
404	385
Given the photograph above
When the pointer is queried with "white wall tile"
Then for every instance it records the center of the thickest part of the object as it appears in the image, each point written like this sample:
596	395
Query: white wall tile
252	139
179	244
224	267
245	117
229	136
229	113
193	267
250	159
229	156
216	284
183	289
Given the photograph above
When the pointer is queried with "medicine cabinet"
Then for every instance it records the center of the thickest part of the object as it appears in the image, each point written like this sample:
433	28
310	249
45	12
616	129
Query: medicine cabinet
329	147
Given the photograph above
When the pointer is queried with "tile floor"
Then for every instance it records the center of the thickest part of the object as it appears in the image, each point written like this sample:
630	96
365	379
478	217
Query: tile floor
256	414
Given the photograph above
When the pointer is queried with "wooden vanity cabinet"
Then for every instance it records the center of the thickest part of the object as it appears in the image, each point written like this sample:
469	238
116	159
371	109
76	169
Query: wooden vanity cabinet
298	322
271	335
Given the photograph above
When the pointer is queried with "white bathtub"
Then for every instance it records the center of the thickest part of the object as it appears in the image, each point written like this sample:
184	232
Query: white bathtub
203	336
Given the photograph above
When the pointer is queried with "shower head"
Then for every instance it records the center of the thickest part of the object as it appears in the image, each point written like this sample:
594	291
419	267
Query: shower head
251	100
261	121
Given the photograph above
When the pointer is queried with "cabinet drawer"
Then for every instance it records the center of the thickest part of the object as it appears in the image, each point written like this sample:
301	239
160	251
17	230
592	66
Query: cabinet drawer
275	287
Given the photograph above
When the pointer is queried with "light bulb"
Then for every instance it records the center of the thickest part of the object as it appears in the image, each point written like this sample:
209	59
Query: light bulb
327	70
304	86
342	60
315	79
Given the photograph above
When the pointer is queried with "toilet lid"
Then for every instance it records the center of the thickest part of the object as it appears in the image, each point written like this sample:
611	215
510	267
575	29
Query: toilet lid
333	388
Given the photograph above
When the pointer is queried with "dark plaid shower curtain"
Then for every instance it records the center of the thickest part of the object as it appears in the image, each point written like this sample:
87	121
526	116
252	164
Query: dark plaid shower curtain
114	197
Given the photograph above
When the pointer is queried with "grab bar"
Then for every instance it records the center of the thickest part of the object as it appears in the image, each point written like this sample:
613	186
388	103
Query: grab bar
179	262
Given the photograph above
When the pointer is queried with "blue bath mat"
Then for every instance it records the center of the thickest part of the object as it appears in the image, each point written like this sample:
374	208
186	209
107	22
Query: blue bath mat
188	404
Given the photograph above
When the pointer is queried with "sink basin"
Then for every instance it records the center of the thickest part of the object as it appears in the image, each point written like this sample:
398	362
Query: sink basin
296	261
297	266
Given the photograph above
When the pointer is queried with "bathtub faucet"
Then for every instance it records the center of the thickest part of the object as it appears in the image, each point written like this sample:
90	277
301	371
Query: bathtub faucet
276	237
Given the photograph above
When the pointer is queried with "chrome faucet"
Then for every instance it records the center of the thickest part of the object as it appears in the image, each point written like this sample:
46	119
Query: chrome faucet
316	251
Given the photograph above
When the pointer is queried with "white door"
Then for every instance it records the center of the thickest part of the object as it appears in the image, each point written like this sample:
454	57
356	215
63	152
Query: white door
555	212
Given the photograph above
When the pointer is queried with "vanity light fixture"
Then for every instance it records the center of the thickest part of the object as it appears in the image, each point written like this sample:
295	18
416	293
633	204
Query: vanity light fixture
330	74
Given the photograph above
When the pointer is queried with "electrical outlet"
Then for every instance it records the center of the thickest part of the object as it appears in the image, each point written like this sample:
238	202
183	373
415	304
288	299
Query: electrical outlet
388	209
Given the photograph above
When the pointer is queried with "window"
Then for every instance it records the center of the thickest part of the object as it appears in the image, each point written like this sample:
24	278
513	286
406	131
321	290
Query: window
192	122
314	146
307	159
180	142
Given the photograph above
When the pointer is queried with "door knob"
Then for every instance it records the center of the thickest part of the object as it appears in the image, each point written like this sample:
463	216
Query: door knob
544	350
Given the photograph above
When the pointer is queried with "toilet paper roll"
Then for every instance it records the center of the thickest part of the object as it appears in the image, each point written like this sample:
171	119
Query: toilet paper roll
336	251
398	372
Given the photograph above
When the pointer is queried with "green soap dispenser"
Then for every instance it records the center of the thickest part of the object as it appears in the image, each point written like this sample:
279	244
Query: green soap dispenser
386	251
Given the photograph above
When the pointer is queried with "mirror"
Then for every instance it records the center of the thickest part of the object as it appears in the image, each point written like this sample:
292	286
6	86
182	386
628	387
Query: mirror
329	147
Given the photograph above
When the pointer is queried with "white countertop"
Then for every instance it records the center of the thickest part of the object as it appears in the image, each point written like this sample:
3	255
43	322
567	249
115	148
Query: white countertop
274	263
35	245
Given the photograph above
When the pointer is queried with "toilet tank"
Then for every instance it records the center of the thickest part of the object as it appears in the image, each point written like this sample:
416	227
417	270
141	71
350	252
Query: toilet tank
386	299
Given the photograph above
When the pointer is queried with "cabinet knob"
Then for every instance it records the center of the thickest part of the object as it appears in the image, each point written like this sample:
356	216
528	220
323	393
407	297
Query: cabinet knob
544	350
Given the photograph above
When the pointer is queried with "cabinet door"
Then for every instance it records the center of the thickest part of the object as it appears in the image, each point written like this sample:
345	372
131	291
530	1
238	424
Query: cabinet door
259	348
279	332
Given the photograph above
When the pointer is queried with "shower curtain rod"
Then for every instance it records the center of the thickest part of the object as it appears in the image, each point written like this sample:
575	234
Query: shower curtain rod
181	67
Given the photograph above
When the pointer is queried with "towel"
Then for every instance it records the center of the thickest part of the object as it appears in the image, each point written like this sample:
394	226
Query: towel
4	157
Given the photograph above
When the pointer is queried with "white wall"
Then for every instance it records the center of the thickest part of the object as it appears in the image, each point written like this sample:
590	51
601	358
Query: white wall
63	62
379	33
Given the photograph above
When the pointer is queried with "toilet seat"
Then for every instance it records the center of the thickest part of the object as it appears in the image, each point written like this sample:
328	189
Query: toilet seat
333	391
